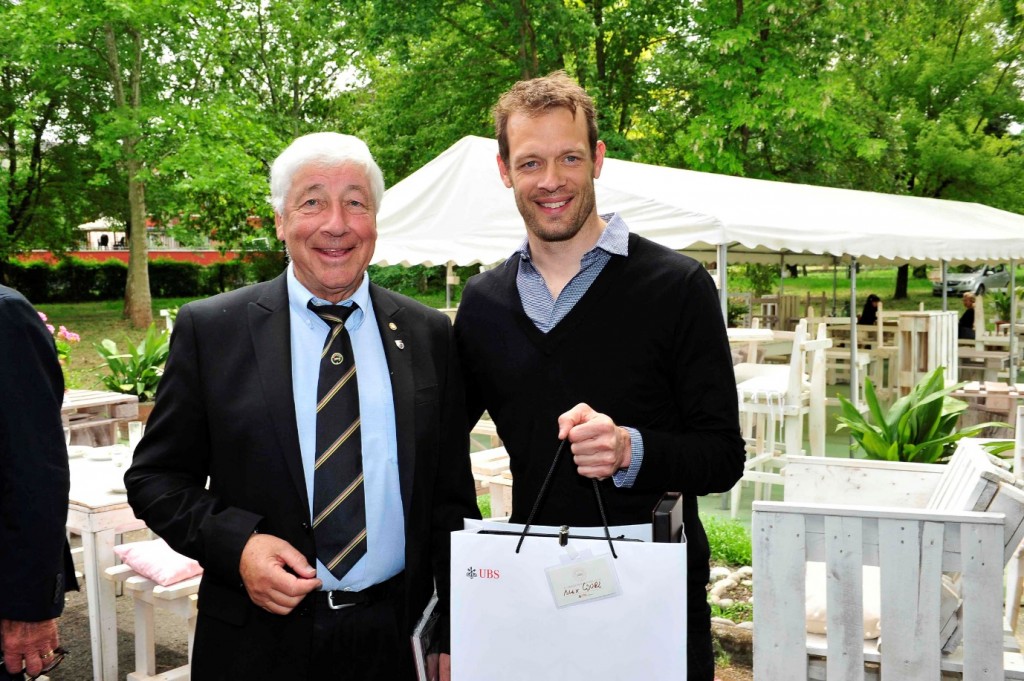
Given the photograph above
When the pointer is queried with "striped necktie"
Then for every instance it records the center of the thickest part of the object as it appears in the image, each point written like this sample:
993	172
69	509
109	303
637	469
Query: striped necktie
339	507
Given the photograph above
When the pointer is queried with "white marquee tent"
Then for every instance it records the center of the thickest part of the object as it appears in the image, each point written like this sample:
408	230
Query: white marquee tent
455	208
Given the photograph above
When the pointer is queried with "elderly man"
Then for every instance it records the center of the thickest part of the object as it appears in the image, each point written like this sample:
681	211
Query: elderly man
332	492
34	479
597	336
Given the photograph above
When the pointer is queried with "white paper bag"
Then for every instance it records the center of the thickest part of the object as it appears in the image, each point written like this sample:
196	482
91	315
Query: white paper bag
505	624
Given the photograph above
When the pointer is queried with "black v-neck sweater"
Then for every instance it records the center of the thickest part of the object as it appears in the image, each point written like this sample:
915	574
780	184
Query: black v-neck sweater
645	345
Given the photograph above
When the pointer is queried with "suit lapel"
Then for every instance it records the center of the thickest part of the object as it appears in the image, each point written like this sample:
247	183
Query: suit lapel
269	326
397	341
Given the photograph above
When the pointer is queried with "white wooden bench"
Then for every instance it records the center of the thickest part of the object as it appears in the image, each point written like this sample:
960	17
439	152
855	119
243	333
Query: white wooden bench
915	522
179	598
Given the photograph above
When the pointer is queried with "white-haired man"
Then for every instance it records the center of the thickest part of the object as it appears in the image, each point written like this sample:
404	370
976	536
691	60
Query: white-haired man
318	557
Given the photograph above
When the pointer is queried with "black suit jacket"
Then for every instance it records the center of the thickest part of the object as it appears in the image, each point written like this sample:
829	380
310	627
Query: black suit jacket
34	477
224	409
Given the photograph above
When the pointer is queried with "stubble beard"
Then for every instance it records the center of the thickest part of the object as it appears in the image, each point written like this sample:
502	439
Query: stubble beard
564	228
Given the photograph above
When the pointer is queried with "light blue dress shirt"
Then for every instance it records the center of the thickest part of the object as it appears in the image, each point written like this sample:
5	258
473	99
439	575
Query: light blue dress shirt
546	312
385	520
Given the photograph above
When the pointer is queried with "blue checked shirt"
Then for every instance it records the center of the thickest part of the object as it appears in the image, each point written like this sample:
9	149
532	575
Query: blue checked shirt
545	312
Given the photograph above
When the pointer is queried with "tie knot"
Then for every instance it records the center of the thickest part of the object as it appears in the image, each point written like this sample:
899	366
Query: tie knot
333	314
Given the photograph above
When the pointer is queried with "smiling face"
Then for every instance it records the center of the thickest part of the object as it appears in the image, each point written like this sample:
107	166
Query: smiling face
329	224
552	171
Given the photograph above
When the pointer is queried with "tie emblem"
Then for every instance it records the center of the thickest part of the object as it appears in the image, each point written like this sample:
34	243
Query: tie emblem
337	358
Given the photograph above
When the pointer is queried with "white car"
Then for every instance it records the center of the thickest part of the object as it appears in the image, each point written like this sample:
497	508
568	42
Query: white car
982	278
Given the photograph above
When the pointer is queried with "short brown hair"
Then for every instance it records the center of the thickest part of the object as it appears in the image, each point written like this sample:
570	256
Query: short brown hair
540	95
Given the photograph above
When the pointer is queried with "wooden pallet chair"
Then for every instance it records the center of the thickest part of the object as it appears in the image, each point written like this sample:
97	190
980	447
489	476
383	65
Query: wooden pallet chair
850	514
147	596
776	398
1015	570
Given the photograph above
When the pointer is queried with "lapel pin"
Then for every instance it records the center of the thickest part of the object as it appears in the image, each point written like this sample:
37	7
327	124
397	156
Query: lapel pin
400	344
393	326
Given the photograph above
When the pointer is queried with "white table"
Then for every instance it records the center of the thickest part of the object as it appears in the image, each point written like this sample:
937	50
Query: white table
99	514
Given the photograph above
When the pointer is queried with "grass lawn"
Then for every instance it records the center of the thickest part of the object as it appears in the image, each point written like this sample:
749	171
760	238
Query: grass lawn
98	320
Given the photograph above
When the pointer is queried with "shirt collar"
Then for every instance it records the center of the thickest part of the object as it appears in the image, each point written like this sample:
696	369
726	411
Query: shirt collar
299	295
613	240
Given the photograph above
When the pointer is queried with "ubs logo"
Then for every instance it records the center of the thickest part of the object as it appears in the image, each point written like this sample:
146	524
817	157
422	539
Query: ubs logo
483	573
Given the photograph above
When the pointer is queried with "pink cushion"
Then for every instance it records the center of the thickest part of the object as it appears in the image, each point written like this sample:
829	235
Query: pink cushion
157	561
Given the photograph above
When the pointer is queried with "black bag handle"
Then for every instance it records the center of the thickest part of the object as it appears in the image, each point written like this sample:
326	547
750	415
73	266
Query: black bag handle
543	491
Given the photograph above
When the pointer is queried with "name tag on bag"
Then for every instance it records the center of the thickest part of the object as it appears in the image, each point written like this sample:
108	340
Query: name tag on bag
583	579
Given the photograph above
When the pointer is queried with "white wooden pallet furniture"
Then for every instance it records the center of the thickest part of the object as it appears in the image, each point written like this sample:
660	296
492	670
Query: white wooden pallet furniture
850	514
492	476
179	598
778	397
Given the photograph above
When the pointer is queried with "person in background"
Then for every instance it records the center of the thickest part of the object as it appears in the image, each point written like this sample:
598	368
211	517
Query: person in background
870	313
332	492
965	327
595	335
35	480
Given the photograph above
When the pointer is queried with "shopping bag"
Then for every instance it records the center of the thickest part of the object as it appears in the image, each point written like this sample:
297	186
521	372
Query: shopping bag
508	624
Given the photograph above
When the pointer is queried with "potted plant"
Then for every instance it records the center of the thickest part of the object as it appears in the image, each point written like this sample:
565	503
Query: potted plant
1002	301
136	371
63	340
918	427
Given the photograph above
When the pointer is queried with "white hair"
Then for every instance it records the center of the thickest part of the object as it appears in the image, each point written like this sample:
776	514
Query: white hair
331	149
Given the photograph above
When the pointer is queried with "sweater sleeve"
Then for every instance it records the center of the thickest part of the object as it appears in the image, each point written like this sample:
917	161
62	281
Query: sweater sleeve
705	453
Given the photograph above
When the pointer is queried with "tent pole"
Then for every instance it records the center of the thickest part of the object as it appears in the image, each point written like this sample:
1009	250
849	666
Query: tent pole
782	277
1014	350
854	378
448	286
835	264
945	305
723	288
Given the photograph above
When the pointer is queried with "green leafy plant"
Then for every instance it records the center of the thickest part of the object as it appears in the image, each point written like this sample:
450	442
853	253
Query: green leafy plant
137	371
736	310
729	541
918	427
1002	301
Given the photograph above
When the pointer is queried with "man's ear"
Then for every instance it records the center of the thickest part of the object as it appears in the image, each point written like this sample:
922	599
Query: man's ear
279	225
503	169
598	158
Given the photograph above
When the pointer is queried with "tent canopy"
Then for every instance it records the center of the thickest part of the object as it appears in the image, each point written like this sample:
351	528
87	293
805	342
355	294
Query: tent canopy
103	224
456	208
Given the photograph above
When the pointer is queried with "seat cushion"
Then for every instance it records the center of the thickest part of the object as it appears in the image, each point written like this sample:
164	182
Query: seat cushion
157	561
817	612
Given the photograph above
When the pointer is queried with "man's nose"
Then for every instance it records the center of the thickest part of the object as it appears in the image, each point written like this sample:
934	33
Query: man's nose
337	222
553	178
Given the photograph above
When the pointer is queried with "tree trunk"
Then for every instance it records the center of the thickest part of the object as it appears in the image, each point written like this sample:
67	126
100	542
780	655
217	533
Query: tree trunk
901	282
138	303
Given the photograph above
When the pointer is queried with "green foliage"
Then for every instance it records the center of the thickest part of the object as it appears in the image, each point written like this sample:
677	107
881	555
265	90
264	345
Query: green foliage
728	539
735	311
137	371
918	427
484	503
737	612
762	277
1002	301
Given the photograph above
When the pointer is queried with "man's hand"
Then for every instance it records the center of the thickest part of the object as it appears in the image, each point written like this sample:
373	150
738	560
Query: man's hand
599	447
269	584
28	645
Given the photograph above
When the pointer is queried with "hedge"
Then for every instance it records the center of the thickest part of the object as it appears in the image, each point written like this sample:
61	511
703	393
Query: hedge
73	280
